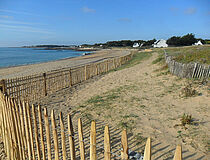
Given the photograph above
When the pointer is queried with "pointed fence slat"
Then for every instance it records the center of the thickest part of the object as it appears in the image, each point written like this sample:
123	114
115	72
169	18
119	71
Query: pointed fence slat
93	141
71	138
41	132
63	137
55	135
30	130
47	129
147	151
81	142
178	153
36	133
124	143
27	131
107	146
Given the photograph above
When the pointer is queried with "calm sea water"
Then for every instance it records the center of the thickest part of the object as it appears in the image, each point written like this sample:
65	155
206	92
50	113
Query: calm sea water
22	56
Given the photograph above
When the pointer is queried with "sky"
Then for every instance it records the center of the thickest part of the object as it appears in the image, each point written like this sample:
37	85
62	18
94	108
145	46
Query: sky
33	22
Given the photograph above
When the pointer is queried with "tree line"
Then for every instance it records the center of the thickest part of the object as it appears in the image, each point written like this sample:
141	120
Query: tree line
186	40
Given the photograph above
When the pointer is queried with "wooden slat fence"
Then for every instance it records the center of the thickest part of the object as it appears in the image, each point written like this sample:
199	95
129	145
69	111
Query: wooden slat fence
29	133
36	86
191	70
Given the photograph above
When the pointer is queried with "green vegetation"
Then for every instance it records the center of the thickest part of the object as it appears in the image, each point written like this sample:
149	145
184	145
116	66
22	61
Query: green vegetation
138	57
188	91
186	119
199	54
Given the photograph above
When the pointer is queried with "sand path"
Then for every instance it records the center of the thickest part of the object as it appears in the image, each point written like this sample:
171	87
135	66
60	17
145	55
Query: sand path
148	103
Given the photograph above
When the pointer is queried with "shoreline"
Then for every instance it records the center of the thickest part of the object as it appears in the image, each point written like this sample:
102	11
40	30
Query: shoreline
37	68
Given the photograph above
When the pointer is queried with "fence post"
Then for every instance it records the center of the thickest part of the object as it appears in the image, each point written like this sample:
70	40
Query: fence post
107	67
3	86
147	151
45	84
124	143
93	141
63	136
107	147
70	77
178	153
81	142
85	70
55	135
71	138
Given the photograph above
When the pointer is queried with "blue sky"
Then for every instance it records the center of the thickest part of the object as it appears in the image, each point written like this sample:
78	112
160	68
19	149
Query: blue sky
32	22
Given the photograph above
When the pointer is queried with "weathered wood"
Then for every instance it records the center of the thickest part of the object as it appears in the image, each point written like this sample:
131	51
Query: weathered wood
81	142
55	135
63	138
71	138
47	129
124	143
70	77
21	135
36	133
147	151
107	146
16	127
27	131
93	141
30	130
23	130
178	153
41	132
3	86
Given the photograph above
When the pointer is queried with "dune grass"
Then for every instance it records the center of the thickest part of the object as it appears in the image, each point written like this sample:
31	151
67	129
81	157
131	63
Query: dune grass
199	54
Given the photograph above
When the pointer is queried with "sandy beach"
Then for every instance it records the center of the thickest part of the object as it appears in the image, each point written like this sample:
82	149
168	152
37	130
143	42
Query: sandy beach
19	71
146	100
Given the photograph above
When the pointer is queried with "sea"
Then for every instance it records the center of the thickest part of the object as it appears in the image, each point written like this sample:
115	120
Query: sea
22	56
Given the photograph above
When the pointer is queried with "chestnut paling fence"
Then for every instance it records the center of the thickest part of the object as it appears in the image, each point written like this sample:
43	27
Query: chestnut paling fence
35	86
29	133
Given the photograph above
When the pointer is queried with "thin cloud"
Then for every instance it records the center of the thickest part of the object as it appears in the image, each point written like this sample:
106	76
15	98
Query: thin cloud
88	10
174	9
18	12
190	11
24	29
124	20
6	17
19	22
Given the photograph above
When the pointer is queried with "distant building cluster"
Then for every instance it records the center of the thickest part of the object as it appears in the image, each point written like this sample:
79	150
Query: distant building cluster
161	44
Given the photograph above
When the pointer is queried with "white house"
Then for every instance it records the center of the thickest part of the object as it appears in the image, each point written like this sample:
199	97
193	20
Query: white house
135	45
198	43
160	43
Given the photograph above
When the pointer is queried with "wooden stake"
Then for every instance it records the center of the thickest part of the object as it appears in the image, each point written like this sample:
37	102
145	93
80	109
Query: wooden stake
147	151
71	138
45	84
27	131
36	133
55	135
41	131
107	146
124	143
70	77
93	141
47	129
81	143
63	138
178	153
